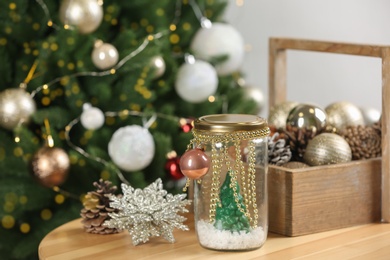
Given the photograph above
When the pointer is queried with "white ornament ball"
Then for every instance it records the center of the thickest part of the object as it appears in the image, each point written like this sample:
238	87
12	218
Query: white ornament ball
219	40
16	106
104	55
131	148
195	82
86	15
92	118
370	115
158	65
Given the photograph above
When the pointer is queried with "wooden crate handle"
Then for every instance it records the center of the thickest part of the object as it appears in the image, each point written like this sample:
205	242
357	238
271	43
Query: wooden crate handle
277	88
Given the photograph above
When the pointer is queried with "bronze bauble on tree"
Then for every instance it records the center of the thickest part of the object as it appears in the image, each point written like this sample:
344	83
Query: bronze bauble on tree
278	114
342	114
327	148
50	166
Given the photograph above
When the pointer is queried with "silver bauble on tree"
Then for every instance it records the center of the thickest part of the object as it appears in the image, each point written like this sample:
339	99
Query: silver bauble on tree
16	107
158	66
85	15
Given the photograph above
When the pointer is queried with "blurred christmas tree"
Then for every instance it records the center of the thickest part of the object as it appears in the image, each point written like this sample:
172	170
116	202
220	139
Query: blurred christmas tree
74	72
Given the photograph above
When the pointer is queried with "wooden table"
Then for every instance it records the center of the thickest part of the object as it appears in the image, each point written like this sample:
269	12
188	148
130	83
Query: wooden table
69	241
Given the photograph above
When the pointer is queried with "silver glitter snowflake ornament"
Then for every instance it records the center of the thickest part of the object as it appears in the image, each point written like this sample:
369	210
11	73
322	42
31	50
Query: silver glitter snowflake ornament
150	212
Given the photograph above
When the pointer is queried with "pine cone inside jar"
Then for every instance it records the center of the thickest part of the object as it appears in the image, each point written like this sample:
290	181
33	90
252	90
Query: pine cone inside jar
298	138
365	141
96	208
279	152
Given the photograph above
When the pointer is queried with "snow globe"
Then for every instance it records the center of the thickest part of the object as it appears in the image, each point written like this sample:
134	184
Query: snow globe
227	159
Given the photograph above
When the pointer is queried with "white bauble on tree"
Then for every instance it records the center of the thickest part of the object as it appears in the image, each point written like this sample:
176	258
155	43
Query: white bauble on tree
104	55
158	65
221	39
16	106
86	15
131	148
92	118
195	82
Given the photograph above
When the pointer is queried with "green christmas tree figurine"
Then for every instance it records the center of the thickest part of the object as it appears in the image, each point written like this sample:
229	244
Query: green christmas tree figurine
228	215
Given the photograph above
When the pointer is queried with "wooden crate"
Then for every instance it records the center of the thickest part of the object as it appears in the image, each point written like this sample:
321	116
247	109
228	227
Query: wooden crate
314	199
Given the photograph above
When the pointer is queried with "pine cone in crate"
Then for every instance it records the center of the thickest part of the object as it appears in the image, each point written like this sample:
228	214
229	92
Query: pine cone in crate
365	141
278	152
96	208
298	138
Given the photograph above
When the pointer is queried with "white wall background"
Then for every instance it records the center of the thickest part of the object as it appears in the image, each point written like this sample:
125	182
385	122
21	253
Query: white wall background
315	77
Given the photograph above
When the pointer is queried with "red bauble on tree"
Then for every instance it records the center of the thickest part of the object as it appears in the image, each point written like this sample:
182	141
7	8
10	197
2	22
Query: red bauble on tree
173	169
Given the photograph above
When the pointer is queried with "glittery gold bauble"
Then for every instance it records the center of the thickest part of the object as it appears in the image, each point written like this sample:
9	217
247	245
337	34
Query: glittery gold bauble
327	148
342	114
308	117
86	15
16	106
50	166
278	114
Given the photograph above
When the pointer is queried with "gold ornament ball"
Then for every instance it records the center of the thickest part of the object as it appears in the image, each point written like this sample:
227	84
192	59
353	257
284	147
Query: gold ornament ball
308	117
278	114
342	114
86	15
16	106
50	166
327	148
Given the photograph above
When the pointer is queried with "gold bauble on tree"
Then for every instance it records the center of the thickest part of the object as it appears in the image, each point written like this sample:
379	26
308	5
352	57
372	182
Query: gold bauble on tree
50	166
306	116
327	148
278	114
16	107
85	15
342	114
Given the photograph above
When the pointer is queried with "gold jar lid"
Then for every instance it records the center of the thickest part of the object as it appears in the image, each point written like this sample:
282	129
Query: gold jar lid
223	123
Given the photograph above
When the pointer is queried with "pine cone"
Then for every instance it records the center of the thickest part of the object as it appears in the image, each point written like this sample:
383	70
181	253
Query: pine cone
278	152
97	207
365	141
297	139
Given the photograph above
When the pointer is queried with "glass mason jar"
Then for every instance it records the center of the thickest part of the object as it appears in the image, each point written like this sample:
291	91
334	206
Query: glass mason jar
230	200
